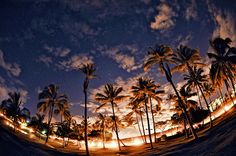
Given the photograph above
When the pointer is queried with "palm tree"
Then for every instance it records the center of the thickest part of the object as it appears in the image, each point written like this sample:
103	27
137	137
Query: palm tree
154	94
142	91
49	99
136	109
37	121
111	95
63	110
162	55
102	126
88	70
209	90
222	62
196	78
13	108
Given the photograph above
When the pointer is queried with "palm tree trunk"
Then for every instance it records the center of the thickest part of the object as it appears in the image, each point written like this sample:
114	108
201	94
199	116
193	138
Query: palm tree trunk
208	108
85	123
153	121
144	135
230	76
185	129
149	130
199	99
49	121
221	94
116	129
184	109
139	126
64	144
181	103
103	136
229	94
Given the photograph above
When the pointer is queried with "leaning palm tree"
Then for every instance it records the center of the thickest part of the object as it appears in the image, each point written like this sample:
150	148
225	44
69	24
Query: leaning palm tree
162	55
196	78
111	95
88	70
49	99
222	62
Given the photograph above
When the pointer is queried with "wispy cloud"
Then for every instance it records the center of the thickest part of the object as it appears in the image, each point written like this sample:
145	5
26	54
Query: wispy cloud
123	55
184	40
4	90
11	68
164	19
58	51
45	59
75	62
191	11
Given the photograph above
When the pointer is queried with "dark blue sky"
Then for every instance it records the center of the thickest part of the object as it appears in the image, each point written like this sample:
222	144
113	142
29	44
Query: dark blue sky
45	41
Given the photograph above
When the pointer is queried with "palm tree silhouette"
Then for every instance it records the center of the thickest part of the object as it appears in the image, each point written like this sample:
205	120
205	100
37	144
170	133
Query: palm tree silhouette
196	78
49	99
111	95
88	71
37	121
14	107
63	110
222	62
162	55
154	94
101	123
142	91
136	109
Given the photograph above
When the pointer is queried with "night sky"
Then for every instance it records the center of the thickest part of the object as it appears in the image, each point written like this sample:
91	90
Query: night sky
46	41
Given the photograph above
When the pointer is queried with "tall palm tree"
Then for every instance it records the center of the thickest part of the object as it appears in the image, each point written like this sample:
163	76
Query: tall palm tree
111	95
142	90
222	61
88	71
196	78
162	55
49	99
13	108
155	94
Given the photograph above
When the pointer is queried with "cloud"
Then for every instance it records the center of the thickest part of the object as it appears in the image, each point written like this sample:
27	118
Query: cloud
75	62
184	40
45	59
2	80
11	68
4	90
60	52
225	23
125	61
163	20
191	11
78	30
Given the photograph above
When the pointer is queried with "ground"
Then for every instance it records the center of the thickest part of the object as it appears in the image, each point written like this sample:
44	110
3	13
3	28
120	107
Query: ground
220	140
